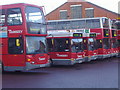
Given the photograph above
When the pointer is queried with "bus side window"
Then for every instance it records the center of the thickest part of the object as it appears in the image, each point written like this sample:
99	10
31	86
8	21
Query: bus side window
99	43
14	16
15	46
2	17
50	45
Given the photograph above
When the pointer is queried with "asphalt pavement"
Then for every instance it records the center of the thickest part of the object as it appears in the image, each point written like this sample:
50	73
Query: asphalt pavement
95	74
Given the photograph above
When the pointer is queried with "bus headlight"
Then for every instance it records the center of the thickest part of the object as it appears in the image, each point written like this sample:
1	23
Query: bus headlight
72	59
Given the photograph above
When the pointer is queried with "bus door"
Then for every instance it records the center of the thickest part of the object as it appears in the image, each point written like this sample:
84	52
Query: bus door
99	44
85	47
119	47
114	43
91	48
106	43
106	47
15	55
114	46
95	51
92	44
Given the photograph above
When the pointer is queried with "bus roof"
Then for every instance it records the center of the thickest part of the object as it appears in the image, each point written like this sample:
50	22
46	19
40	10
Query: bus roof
17	5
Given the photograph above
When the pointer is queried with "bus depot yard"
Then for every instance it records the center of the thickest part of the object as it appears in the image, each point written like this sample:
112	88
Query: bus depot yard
95	74
57	53
29	42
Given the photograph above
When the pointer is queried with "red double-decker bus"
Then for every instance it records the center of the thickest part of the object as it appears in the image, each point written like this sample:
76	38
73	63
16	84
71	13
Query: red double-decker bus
91	52
65	46
117	23
96	39
85	46
114	38
89	35
23	37
102	29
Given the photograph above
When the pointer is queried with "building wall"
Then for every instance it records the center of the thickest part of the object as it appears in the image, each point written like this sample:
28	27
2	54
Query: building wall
98	11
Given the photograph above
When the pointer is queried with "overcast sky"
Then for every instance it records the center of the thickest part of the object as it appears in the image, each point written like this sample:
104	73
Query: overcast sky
52	4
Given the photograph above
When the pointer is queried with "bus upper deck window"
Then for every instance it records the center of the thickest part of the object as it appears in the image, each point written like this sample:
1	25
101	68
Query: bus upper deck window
2	17
105	22
14	16
106	32
52	26
35	20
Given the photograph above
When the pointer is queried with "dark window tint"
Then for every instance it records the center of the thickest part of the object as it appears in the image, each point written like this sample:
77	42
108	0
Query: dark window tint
15	46
85	44
114	33
2	17
106	32
119	43
113	24
14	16
61	44
99	43
106	43
117	25
50	45
114	43
95	44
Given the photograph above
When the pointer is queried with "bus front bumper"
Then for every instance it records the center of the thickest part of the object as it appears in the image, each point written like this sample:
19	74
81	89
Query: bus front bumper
31	66
88	59
28	66
66	61
103	56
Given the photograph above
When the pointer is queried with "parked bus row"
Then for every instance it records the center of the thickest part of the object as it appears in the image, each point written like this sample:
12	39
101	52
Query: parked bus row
73	41
25	42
